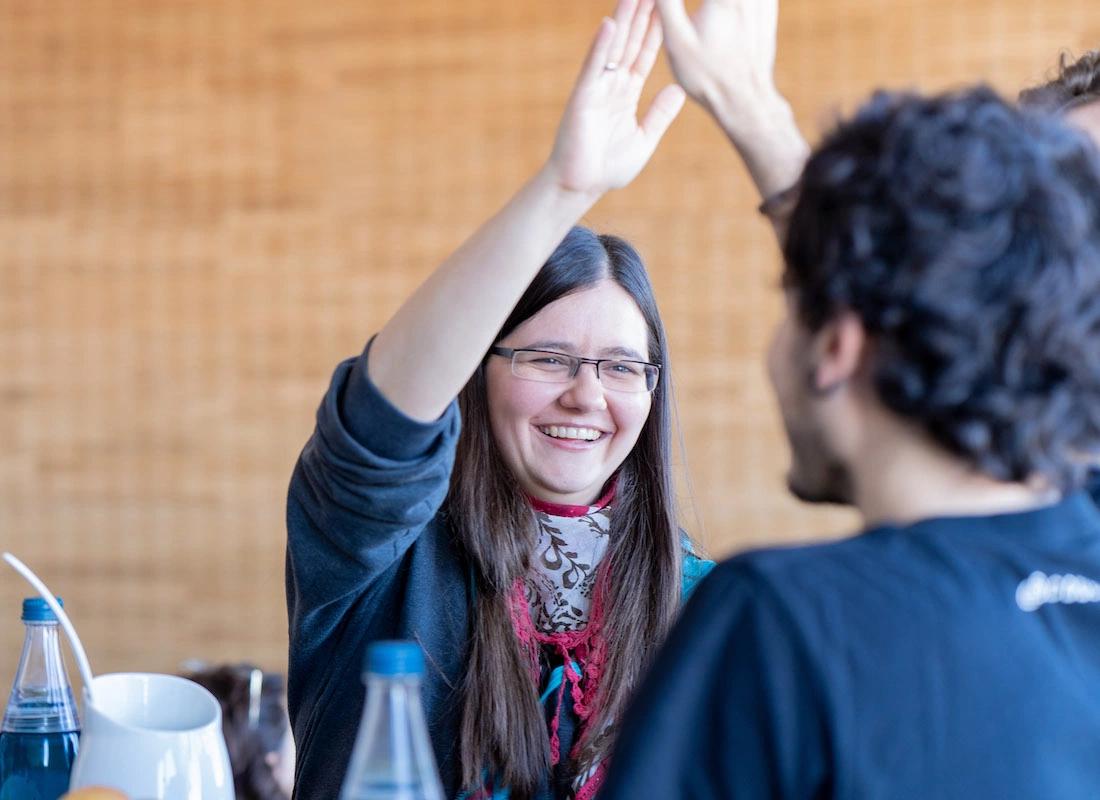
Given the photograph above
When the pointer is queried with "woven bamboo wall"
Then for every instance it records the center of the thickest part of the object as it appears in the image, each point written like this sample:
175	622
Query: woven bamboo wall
205	204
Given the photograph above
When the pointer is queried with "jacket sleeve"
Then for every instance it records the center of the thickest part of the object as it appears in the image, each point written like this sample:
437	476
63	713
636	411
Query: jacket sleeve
729	709
367	484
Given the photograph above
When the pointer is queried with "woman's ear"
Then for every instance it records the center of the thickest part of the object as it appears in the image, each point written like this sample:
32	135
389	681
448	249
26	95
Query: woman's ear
838	351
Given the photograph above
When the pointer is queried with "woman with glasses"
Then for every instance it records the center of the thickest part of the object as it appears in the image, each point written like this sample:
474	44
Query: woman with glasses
491	478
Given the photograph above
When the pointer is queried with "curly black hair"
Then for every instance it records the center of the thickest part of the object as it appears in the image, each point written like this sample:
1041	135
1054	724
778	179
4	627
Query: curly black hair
1077	84
965	234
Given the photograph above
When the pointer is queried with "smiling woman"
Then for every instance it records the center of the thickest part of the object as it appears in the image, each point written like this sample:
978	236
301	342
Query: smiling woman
533	548
563	432
547	438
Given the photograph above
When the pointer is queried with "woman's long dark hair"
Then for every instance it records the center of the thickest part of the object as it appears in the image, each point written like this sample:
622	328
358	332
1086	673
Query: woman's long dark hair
503	727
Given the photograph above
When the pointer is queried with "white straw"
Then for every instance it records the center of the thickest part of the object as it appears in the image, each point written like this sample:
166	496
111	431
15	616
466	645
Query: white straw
74	640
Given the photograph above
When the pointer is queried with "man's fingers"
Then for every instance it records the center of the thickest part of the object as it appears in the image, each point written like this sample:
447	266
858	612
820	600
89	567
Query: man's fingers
675	18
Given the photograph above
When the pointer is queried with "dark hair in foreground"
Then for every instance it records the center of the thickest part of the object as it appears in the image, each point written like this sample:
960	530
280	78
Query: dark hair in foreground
503	728
1077	84
965	234
253	726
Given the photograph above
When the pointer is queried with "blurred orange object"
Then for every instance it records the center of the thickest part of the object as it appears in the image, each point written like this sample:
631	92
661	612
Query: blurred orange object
95	793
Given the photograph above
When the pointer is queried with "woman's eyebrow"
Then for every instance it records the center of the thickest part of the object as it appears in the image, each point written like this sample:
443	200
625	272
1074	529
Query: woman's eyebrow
622	352
545	344
571	349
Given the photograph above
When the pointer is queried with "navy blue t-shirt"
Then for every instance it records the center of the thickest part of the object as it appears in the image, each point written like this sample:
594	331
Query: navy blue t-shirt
955	658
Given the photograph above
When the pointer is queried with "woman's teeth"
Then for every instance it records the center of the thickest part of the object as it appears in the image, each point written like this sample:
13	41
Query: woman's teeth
559	432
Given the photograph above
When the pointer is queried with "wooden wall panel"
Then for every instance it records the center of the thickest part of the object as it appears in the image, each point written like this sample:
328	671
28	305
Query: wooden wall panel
205	204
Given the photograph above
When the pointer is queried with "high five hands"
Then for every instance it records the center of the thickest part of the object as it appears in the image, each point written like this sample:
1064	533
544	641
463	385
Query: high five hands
722	55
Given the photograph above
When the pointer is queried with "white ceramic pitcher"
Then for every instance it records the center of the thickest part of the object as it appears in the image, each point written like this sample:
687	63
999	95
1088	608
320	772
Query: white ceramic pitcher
154	737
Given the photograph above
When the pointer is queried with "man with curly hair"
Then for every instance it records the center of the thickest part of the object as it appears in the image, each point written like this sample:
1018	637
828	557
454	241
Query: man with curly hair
1074	94
938	369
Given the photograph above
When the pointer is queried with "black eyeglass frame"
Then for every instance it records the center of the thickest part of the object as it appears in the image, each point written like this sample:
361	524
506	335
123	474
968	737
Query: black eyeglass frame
578	362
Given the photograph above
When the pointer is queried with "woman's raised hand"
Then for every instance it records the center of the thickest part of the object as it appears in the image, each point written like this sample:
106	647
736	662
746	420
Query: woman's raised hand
600	143
435	341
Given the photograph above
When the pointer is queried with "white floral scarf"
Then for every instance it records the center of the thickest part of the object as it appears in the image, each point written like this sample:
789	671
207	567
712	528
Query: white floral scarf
572	541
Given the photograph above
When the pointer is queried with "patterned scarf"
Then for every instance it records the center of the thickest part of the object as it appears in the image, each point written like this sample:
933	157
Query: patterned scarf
568	552
559	604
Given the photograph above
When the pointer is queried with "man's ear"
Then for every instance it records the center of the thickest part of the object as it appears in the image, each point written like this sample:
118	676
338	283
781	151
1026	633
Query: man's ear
838	350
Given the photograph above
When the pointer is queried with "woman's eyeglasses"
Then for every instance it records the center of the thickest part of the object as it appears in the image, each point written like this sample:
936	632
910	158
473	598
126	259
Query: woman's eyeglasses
615	374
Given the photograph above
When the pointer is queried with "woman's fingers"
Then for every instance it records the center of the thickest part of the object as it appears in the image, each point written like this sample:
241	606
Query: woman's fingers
624	16
666	105
638	28
596	59
651	48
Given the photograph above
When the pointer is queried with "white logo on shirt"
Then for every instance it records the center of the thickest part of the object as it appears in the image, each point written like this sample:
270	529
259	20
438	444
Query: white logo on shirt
1038	589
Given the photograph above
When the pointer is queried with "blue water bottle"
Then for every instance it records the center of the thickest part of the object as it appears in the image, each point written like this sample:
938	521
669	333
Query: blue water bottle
392	758
38	739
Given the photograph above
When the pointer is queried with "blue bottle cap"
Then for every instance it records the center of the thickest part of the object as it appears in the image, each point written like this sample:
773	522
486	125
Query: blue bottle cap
395	658
35	609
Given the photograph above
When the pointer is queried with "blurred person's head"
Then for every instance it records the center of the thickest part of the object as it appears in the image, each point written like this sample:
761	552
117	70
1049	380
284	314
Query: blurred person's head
1074	93
942	273
255	726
